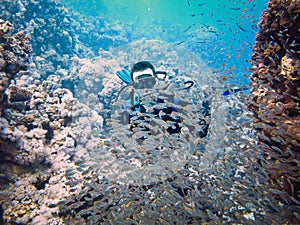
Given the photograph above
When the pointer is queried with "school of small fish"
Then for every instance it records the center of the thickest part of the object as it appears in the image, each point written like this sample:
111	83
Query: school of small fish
178	178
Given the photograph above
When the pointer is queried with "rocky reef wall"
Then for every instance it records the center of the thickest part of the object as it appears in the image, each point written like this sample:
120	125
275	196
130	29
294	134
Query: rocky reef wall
276	94
14	54
36	138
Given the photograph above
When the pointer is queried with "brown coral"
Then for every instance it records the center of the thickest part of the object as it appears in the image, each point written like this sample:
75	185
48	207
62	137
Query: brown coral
275	93
17	94
290	68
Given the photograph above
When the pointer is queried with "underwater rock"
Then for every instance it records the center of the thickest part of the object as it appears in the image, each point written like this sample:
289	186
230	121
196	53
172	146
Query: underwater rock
276	94
17	94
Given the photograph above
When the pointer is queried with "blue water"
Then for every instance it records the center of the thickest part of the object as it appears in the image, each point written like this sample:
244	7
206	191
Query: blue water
220	32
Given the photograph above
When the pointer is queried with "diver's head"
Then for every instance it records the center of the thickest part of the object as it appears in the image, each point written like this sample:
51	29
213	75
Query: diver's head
141	70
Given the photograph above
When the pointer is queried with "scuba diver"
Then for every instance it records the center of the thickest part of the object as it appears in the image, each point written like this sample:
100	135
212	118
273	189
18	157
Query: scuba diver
142	78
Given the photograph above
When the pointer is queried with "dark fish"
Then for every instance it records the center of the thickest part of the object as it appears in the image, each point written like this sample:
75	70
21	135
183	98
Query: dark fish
295	200
212	31
193	15
187	29
241	27
179	43
201	4
254	26
235	8
188	2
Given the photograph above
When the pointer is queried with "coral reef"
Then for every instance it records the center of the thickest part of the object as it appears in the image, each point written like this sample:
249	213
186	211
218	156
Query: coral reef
37	145
61	164
59	34
14	50
276	94
36	141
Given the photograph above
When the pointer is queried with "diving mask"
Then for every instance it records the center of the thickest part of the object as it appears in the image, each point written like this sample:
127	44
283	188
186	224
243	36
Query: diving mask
144	81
